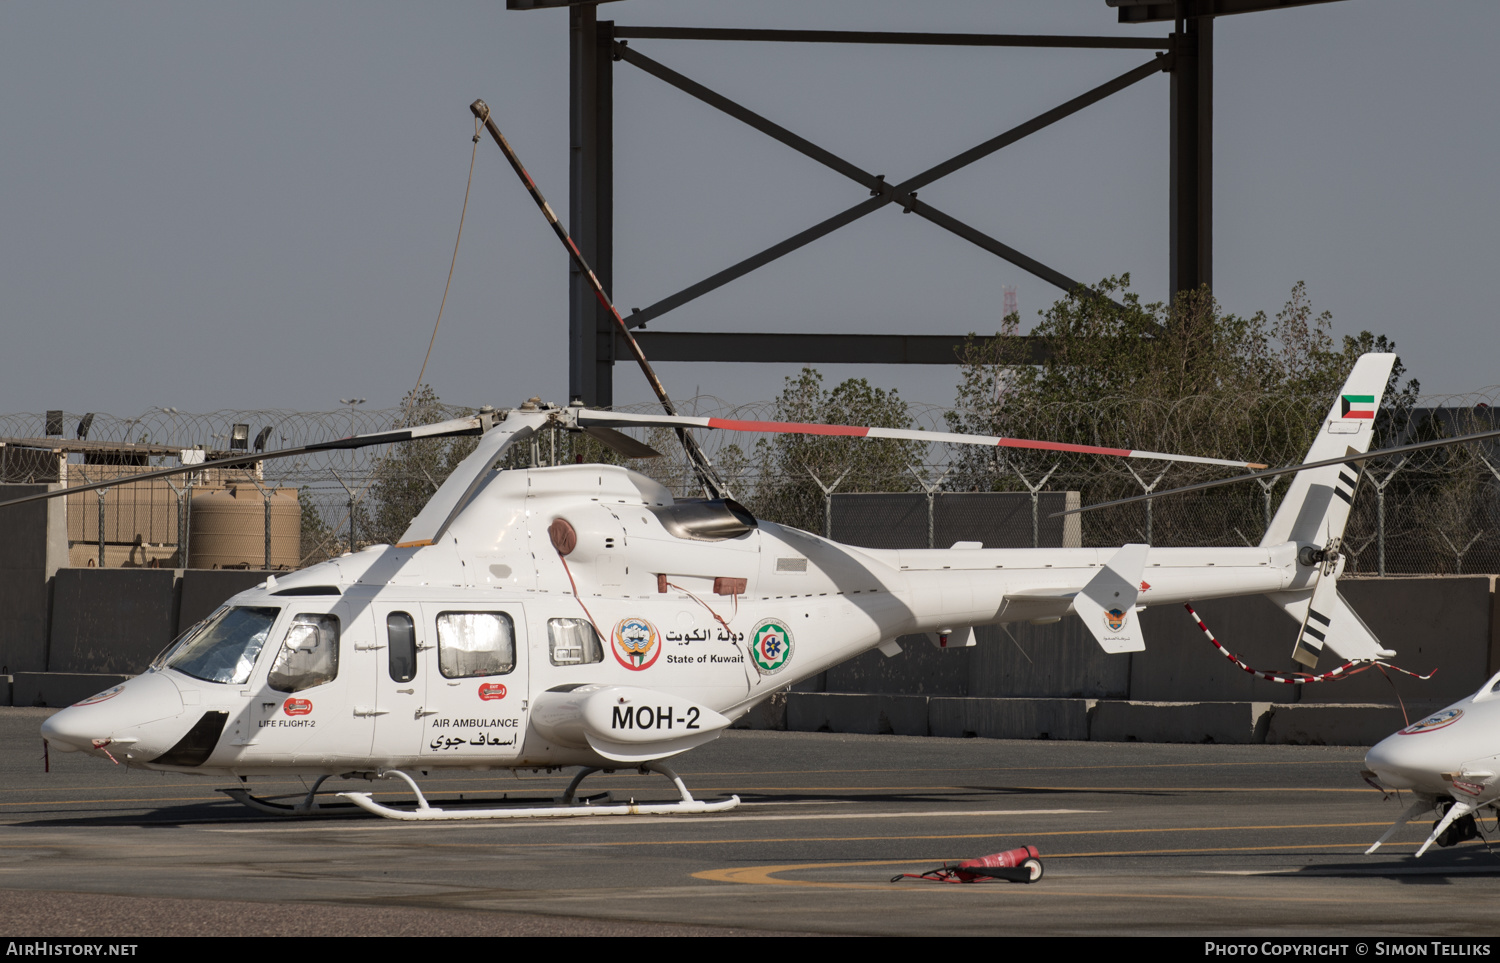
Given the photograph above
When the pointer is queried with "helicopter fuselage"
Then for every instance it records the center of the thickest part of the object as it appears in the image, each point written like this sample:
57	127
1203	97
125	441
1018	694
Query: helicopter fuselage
492	648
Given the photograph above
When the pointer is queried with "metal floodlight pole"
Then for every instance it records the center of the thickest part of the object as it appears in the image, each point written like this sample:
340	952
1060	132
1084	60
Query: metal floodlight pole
350	492
265	495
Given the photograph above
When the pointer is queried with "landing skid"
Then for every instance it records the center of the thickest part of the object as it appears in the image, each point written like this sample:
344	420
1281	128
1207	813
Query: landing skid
1456	812
687	805
1414	810
308	806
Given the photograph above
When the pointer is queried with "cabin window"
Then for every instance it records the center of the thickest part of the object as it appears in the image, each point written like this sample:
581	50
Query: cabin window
573	642
309	655
401	635
475	643
225	649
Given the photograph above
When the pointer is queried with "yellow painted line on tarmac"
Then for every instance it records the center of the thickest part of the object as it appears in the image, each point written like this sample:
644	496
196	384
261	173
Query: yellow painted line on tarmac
210	796
936	836
436	778
1055	787
1278	763
214	794
771	876
92	802
296	786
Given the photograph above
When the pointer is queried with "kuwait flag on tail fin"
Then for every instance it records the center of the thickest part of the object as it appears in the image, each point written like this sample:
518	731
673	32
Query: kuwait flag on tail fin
1358	406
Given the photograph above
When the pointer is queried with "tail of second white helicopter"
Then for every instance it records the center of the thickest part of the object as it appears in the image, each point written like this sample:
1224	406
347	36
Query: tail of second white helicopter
1314	512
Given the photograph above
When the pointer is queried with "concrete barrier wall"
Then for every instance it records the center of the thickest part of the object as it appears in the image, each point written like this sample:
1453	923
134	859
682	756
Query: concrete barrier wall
1060	660
34	545
1049	681
1442	623
111	619
203	590
117	620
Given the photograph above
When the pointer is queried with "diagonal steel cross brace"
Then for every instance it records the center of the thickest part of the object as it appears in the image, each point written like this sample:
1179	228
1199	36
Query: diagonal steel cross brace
882	193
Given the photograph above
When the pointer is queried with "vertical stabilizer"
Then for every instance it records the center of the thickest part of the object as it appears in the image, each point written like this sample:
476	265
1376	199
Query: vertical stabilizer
1317	504
1316	509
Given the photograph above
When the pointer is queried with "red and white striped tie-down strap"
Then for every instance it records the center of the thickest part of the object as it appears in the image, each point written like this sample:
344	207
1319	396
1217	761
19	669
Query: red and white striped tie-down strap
1347	670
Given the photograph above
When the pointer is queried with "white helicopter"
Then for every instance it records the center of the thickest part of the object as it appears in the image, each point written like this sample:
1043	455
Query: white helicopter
1450	761
582	616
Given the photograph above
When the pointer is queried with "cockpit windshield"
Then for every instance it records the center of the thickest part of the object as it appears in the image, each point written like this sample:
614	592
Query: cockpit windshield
226	647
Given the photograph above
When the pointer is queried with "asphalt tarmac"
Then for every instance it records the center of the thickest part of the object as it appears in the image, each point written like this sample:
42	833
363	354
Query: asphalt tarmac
1136	839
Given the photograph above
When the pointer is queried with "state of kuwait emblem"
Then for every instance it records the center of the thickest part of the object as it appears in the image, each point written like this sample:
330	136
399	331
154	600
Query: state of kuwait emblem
771	647
1115	619
636	644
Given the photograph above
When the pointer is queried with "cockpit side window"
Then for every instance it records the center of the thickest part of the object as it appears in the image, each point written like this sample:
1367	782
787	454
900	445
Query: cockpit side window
573	642
475	643
401	636
225	649
1490	690
309	655
160	662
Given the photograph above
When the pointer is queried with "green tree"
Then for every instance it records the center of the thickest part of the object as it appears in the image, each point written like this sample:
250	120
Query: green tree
791	466
1183	376
318	541
408	475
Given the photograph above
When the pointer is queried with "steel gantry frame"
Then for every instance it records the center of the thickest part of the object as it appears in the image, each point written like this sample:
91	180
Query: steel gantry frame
1186	55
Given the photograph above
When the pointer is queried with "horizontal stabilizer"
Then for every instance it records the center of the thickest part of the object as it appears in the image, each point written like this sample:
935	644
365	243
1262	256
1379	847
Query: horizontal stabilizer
1107	603
1345	633
1036	607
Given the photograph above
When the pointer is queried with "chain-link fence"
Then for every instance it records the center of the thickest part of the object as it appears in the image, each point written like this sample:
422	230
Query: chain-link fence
1435	512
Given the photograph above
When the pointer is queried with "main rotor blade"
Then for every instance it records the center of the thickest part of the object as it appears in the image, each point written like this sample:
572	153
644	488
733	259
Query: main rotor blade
701	466
1288	470
589	417
620	442
443	429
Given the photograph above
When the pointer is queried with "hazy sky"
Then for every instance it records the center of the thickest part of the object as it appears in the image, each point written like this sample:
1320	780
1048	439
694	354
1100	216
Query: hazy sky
254	205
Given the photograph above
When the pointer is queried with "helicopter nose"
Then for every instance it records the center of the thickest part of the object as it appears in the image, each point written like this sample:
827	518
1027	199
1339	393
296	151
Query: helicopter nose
1414	760
109	715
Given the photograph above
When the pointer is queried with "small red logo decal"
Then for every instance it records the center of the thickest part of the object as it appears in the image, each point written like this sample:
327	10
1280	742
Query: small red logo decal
490	691
297	707
1145	586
